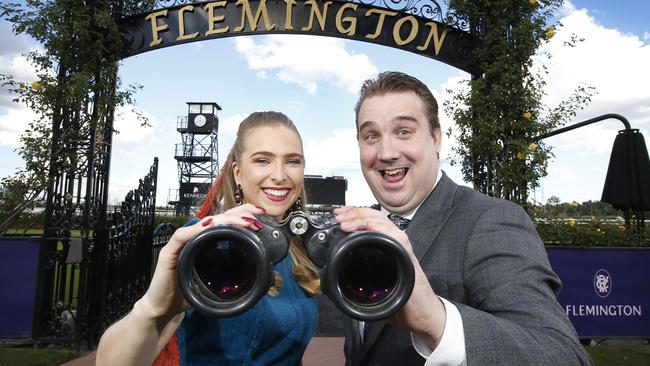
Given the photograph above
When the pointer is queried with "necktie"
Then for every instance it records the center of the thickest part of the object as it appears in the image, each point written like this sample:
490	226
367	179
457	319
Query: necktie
399	221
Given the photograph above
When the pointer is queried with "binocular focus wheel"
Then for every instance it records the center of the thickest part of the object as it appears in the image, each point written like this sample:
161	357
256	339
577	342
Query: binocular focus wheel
368	276
211	285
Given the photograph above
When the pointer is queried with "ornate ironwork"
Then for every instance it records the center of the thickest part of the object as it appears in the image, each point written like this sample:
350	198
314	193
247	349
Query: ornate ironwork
428	9
130	239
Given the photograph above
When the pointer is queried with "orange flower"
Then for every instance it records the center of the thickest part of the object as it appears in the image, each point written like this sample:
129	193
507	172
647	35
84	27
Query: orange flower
36	85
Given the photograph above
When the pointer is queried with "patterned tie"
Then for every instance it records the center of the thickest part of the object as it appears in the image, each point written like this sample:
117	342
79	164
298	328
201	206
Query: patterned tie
399	221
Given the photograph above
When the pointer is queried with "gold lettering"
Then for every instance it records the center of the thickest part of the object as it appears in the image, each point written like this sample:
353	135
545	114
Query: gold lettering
247	13
288	15
437	39
318	13
352	21
155	28
398	25
181	23
380	21
212	18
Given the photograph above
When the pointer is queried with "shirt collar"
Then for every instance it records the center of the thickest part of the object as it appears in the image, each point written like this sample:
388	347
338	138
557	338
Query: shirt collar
409	215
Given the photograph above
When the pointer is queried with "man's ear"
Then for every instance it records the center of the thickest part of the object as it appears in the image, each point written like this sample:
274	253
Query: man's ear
437	140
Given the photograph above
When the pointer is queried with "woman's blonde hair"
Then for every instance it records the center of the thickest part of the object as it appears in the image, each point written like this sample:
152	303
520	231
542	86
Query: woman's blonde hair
222	197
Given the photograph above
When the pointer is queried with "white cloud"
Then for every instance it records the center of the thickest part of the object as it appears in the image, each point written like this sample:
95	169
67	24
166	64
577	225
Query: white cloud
646	36
13	124
12	61
306	61
338	154
613	62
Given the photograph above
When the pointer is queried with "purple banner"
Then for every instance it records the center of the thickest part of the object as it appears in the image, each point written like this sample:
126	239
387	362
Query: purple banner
605	291
18	285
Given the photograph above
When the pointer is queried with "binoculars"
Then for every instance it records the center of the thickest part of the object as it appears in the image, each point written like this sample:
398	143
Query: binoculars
225	270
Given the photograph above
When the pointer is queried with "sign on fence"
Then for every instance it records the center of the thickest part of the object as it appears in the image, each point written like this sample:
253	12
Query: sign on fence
605	291
18	286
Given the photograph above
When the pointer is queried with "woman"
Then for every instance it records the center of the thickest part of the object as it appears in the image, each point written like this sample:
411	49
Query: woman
263	174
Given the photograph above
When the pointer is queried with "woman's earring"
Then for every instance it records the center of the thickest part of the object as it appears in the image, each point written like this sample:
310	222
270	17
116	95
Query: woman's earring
297	206
238	195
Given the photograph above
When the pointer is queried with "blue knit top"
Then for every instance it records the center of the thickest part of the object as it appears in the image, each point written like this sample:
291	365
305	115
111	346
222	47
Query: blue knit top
275	331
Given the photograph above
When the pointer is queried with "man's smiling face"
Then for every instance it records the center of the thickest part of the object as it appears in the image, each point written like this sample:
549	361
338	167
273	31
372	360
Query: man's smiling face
399	155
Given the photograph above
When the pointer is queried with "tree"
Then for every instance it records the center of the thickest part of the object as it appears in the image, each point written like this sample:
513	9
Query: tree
499	112
76	88
553	200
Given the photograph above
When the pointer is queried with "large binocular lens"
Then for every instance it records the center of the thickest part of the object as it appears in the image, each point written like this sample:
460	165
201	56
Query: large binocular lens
368	276
224	270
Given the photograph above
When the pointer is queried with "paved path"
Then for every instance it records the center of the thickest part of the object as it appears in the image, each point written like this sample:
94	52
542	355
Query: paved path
322	351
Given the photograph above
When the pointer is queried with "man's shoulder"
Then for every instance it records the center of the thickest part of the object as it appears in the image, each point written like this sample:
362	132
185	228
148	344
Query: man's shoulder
469	198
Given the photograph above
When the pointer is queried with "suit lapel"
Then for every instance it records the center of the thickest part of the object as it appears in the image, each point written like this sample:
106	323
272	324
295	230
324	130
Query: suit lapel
422	232
431	216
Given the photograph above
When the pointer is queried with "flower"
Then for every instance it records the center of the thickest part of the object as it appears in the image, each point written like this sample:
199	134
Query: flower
571	222
521	155
532	2
597	230
574	204
22	85
550	32
36	85
532	146
527	115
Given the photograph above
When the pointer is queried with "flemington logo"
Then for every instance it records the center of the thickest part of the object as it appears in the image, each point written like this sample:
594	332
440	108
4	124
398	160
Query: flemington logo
602	283
603	288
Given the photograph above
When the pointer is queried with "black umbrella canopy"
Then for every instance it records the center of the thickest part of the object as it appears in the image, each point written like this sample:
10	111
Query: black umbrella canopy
627	185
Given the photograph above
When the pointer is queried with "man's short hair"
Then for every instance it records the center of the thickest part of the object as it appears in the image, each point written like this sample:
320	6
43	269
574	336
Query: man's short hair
398	82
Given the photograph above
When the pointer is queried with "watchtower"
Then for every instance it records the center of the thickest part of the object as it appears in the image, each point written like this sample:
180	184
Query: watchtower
197	155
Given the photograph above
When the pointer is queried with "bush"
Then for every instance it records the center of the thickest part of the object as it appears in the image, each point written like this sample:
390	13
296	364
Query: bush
590	233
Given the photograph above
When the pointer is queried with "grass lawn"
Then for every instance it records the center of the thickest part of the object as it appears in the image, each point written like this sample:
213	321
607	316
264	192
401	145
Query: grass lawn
620	354
20	356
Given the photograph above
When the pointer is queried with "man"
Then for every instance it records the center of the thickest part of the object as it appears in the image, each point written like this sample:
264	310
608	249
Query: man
484	293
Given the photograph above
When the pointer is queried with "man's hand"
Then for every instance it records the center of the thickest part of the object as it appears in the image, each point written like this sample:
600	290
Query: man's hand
424	313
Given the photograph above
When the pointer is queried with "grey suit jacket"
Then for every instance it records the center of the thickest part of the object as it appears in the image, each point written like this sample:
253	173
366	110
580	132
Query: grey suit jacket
484	255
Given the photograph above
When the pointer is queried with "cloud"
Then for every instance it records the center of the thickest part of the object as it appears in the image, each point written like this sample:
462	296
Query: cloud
12	61
338	154
13	124
306	61
611	61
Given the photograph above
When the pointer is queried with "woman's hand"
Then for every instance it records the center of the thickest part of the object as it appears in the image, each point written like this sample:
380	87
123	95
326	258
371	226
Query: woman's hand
163	300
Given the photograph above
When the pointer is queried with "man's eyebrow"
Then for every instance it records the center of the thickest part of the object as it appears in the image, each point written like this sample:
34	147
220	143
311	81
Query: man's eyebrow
400	118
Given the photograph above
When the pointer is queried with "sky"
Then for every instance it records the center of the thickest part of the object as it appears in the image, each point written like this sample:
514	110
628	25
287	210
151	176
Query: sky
315	81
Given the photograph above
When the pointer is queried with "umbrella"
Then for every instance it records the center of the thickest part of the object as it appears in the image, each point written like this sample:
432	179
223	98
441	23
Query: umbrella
627	184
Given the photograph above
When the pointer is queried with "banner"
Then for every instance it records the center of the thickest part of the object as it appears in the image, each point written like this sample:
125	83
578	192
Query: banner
605	291
18	286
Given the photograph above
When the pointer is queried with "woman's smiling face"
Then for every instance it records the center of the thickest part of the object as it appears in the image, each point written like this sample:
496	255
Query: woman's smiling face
271	169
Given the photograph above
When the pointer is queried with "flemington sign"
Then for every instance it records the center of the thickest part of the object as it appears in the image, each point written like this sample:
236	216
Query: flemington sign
217	19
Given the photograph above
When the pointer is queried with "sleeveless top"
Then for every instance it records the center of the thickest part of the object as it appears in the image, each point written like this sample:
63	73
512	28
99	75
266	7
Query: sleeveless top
276	331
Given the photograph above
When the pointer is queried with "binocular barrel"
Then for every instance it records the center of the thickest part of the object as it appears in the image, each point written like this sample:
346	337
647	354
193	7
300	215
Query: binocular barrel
225	270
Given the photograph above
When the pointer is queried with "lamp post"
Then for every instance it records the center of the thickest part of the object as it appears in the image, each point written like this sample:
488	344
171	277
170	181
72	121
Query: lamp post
627	184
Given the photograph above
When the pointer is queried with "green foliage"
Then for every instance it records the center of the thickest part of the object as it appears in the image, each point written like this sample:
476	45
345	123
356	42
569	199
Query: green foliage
76	88
587	224
499	112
